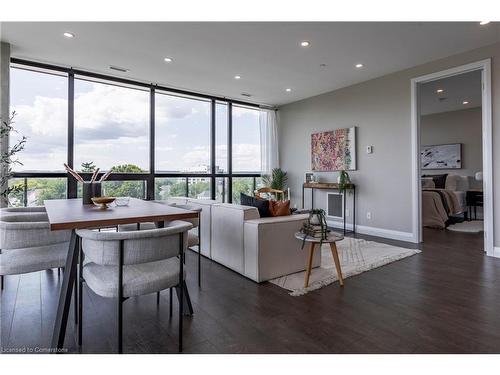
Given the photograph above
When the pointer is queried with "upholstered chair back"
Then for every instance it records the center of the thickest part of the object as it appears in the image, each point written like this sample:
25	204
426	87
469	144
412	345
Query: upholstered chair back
103	248
25	231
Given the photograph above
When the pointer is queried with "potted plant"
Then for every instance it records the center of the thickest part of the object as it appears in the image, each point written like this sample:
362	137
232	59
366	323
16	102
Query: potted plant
343	180
8	159
276	180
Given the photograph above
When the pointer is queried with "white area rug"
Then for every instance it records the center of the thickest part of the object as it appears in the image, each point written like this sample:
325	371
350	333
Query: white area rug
356	256
474	226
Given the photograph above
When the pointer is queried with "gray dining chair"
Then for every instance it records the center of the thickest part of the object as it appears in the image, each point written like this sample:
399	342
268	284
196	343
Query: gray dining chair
194	235
21	210
132	263
27	244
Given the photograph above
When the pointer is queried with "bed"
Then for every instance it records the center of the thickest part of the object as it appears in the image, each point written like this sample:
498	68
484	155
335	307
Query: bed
443	199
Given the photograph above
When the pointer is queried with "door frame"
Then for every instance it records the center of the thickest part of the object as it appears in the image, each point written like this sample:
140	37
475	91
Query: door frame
485	67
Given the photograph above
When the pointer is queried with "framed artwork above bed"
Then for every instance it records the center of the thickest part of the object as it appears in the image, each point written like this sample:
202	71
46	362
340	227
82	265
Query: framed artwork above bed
447	156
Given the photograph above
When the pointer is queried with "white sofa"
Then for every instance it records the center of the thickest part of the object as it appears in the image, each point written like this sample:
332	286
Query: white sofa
258	248
206	218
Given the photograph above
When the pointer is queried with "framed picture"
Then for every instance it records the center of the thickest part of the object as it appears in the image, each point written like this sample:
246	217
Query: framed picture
309	177
334	150
447	156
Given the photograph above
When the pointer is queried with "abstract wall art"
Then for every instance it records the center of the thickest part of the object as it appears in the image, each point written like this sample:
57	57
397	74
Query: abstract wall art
441	156
334	150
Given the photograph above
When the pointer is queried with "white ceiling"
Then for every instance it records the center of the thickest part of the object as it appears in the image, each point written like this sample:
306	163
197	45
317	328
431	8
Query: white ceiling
266	55
457	89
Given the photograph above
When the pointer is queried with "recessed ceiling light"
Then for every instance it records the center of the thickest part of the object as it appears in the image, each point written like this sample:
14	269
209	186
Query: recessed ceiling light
482	23
288	90
168	59
465	102
69	35
439	91
305	43
358	66
237	77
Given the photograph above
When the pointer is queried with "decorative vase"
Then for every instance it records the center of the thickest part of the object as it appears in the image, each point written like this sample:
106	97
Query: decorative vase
90	190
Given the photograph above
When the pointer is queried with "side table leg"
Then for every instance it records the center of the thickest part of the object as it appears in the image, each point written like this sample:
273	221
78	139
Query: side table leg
309	265
333	248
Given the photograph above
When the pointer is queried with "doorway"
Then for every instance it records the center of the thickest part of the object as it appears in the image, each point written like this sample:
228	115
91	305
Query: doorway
452	171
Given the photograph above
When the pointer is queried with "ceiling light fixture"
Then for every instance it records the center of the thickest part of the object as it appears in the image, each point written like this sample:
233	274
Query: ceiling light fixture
237	77
118	68
482	23
439	91
358	66
465	102
305	43
288	90
168	59
69	35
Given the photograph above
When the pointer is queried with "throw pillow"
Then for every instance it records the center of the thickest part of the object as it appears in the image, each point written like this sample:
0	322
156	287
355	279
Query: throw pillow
428	183
439	180
279	208
261	205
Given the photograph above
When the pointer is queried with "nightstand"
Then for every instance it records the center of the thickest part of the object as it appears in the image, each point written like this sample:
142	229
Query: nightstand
474	199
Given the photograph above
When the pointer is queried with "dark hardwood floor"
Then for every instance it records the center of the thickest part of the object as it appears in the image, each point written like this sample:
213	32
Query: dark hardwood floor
444	300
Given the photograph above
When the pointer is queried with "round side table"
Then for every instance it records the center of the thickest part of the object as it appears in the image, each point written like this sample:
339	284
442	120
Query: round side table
331	239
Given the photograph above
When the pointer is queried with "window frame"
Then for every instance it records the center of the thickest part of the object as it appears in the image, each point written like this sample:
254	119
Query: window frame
150	176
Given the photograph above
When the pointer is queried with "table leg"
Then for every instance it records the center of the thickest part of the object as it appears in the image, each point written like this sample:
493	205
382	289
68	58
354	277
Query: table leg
309	265
333	248
63	306
354	209
188	307
199	250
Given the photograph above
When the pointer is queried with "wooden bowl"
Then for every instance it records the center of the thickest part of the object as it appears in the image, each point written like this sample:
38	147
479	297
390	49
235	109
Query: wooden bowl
102	202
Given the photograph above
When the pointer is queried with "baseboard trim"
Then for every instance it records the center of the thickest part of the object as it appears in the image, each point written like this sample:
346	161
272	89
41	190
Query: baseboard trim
373	231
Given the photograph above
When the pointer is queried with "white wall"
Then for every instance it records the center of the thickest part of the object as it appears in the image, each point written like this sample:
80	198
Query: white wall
381	109
463	127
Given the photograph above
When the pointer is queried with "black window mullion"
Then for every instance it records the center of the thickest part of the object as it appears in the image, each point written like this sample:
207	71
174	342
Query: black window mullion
150	186
212	149
72	184
230	152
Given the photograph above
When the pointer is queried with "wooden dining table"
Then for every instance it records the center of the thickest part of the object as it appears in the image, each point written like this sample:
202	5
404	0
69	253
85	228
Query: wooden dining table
72	214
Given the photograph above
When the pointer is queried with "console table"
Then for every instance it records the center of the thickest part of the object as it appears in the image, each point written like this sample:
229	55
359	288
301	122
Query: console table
333	186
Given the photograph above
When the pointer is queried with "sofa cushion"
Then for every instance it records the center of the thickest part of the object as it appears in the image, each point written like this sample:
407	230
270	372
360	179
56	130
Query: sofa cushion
259	204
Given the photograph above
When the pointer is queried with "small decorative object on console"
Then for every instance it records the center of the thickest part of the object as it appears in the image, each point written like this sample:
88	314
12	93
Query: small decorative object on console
315	226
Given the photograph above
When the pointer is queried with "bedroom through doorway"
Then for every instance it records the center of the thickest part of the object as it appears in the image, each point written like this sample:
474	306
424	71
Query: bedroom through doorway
451	159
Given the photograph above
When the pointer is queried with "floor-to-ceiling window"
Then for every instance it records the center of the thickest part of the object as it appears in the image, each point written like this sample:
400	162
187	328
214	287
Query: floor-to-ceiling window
40	101
245	150
158	143
111	131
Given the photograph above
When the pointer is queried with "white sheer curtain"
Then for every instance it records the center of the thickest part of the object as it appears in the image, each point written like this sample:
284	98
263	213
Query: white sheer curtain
269	155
